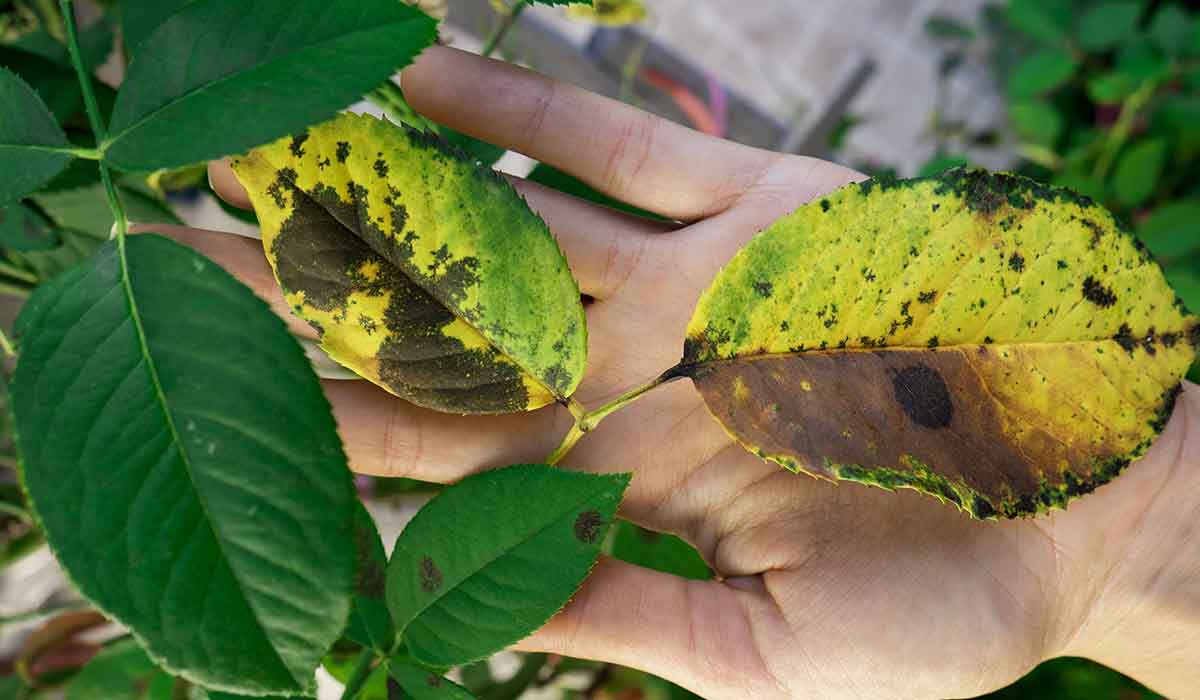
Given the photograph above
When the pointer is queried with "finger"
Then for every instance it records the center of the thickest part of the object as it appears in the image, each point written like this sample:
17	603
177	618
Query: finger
243	258
603	246
620	150
703	635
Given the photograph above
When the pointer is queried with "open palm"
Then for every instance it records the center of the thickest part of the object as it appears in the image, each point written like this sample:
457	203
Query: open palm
824	590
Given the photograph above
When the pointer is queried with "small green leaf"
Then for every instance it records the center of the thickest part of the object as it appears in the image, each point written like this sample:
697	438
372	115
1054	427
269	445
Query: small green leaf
1173	229
370	623
1107	24
54	83
1141	61
556	179
940	162
1040	72
1044	20
1138	172
74	248
420	684
1171	29
278	65
85	209
31	142
1082	183
22	228
1036	121
341	667
1111	87
122	671
139	19
949	28
483	565
194	491
658	551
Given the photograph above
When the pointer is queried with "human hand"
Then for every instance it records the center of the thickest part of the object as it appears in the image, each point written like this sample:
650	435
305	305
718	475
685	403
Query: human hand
825	590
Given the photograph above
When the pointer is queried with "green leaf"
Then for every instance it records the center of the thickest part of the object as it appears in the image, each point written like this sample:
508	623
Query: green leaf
483	564
940	335
22	228
420	684
31	143
55	84
278	65
1107	24
949	28
1044	20
1111	87
85	209
1082	183
556	179
1141	61
194	491
74	248
370	623
1173	229
1041	72
940	162
122	671
1138	172
139	19
1180	114
481	152
342	667
1171	29
1036	121
444	288
658	551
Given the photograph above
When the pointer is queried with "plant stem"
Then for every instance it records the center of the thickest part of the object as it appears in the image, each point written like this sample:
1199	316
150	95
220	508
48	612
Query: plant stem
13	290
41	612
358	677
93	113
511	689
1119	134
588	421
17	273
6	345
15	511
506	24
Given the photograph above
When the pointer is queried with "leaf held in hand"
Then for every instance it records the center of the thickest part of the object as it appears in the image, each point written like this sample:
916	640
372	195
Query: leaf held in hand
1000	344
423	272
419	684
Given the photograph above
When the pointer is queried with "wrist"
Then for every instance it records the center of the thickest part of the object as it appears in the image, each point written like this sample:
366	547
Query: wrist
1129	564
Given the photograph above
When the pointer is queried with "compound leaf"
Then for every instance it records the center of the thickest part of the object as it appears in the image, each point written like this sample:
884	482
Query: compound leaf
277	65
423	272
419	684
195	492
32	146
997	343
122	671
483	565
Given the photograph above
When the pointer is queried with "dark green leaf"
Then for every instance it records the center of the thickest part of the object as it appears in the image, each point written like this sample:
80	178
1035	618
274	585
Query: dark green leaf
940	162
481	152
1138	172
1171	29
1044	20
31	142
1180	114
658	551
74	248
1110	88
1141	61
1173	229
193	490
948	28
1040	72
1082	183
1036	121
85	209
370	623
556	179
122	671
139	19
56	84
275	65
420	684
22	228
1107	24
483	564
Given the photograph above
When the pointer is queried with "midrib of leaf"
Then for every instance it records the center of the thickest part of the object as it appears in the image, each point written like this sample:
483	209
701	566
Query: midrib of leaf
113	138
160	395
519	540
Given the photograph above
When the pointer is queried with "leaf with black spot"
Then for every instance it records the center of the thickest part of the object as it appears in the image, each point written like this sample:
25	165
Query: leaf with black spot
423	272
416	683
483	564
1016	347
370	623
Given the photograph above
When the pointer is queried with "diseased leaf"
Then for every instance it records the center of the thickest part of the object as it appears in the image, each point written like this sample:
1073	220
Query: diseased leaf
418	684
195	492
31	142
370	623
658	551
483	565
259	70
424	273
122	671
997	343
22	228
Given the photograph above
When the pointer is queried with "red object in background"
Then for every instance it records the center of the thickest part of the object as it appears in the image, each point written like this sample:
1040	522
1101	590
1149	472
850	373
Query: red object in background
708	118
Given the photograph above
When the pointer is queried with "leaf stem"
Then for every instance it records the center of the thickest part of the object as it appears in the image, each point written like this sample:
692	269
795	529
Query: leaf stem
15	511
506	24
93	113
6	345
588	421
17	273
358	677
1123	127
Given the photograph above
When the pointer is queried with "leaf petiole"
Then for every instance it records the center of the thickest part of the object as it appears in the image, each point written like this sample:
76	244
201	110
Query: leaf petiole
506	24
366	663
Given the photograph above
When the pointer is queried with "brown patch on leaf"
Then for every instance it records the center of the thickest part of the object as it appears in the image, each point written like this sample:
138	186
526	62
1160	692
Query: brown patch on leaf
431	575
588	526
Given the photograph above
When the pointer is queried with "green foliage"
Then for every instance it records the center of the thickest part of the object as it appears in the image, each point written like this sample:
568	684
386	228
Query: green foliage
121	671
421	684
1074	679
32	145
658	551
23	228
139	19
370	623
283	64
260	510
508	583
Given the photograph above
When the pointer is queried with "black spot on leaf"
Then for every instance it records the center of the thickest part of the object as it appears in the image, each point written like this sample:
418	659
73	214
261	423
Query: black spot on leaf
381	168
763	289
1016	262
1125	339
1097	293
922	393
343	151
587	526
431	576
297	144
927	297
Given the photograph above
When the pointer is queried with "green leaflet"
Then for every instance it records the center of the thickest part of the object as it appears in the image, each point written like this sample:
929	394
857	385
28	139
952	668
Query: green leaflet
283	64
483	565
139	19
32	146
423	272
416	683
658	551
370	623
122	671
22	228
192	490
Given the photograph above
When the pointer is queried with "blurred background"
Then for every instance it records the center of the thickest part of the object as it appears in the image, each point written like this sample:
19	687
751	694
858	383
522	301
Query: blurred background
1102	96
